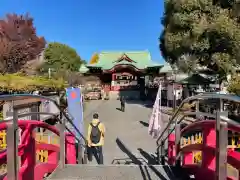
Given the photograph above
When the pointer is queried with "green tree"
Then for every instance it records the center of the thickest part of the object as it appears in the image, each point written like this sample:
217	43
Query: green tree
84	62
61	57
207	31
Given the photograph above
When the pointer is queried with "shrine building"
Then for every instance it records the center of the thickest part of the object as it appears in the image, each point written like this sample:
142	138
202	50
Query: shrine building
124	72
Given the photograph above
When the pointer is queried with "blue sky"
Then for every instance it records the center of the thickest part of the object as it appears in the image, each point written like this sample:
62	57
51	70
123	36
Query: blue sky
95	25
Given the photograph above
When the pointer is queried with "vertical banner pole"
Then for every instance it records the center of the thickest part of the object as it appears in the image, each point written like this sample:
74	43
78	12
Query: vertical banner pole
160	97
75	109
159	104
80	148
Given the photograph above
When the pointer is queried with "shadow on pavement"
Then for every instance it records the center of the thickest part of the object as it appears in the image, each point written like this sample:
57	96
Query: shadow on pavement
145	174
126	161
151	159
119	109
147	103
145	124
134	159
172	172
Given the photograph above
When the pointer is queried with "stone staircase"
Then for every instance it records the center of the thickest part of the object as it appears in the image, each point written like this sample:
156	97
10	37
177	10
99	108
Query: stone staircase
117	172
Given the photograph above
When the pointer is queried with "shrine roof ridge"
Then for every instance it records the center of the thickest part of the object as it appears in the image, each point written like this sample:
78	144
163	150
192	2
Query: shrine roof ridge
139	59
122	52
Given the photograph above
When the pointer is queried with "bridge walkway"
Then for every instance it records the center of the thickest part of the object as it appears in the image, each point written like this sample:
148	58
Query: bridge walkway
200	149
124	130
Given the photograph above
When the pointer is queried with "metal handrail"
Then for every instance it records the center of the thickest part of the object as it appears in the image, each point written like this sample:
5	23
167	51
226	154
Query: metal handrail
221	130
55	116
12	154
25	96
201	96
224	118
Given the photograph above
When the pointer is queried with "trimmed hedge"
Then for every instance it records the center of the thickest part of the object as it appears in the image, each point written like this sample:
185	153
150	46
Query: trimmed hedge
19	82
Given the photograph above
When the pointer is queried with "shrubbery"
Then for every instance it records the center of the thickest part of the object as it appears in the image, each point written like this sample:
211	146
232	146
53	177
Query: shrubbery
234	85
19	83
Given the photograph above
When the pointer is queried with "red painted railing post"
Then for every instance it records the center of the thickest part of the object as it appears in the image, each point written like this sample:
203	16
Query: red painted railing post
70	149
208	157
28	159
171	149
53	157
188	158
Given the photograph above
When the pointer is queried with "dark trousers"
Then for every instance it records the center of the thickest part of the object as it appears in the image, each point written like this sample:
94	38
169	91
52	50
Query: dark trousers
122	107
97	152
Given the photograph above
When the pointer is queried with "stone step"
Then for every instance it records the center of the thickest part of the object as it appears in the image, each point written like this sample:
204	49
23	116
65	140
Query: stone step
117	172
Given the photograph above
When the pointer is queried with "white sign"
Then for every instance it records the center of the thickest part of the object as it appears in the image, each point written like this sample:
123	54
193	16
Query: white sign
49	107
8	108
28	106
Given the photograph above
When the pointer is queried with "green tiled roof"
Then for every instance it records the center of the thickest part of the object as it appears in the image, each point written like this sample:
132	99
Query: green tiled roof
195	79
155	64
107	60
179	77
166	69
83	69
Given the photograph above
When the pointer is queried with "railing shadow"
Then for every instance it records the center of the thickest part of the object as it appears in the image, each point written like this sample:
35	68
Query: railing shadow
145	124
151	159
172	172
127	161
145	174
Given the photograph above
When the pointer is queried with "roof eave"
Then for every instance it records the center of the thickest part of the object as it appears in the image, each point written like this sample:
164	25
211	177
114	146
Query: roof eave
93	66
155	66
119	65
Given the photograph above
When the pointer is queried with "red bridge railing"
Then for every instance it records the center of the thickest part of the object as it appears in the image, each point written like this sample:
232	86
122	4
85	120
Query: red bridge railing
21	159
206	148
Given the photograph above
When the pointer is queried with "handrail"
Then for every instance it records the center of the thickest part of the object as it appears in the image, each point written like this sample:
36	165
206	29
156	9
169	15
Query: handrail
63	119
51	114
55	116
26	96
224	118
222	123
229	121
201	96
221	130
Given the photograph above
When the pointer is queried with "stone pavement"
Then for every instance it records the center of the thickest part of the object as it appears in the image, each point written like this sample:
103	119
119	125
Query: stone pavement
126	132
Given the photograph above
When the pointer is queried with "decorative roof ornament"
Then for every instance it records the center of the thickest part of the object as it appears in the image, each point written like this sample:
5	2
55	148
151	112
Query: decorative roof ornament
124	57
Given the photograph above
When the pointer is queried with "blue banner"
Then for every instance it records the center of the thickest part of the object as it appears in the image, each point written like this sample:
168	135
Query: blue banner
75	107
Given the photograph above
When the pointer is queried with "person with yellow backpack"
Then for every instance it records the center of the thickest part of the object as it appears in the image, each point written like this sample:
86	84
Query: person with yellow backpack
95	138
